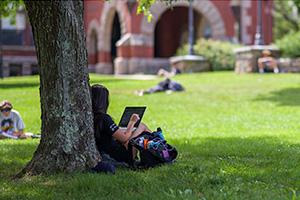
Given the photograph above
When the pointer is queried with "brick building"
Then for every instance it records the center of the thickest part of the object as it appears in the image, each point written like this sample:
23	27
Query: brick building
123	42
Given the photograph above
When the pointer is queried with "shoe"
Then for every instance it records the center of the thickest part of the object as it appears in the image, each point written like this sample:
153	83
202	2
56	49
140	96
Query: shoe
139	92
34	136
104	167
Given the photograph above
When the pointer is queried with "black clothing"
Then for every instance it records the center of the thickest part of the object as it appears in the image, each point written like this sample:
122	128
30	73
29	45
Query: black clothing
104	128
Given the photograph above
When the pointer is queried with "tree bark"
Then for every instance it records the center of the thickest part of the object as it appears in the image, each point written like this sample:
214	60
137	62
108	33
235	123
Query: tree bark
67	143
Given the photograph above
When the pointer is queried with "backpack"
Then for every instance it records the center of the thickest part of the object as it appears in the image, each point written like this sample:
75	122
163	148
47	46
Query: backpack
153	149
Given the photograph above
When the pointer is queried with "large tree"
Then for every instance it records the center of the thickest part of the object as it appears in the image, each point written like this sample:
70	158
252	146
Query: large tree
67	143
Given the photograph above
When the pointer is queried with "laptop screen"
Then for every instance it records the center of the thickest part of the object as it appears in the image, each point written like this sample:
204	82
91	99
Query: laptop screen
127	114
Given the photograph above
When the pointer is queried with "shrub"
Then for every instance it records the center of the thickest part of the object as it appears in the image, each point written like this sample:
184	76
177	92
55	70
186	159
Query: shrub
219	54
289	45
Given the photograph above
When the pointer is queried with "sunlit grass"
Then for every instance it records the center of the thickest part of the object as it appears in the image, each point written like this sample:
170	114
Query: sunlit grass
237	136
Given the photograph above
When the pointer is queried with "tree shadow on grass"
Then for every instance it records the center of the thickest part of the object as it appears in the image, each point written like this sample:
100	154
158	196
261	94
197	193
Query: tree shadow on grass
7	86
103	81
211	168
14	155
284	97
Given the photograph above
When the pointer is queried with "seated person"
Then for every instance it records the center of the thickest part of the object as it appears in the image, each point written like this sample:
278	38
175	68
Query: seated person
167	74
166	85
12	125
110	139
267	62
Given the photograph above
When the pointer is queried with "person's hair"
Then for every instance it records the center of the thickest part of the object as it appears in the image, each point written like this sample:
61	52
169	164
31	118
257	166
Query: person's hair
100	98
266	52
5	105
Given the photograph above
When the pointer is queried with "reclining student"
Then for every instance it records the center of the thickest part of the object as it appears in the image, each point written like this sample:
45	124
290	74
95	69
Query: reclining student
166	85
109	138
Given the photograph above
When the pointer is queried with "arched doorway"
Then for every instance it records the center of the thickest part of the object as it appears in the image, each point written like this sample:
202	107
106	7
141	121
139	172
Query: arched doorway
171	30
115	36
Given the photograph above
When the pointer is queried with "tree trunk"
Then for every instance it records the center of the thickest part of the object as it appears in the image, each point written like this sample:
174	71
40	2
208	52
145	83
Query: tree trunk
67	142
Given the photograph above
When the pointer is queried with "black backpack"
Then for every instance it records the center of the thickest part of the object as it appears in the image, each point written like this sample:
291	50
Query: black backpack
153	149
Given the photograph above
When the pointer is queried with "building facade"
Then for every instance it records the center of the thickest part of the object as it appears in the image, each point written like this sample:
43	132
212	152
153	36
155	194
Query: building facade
120	41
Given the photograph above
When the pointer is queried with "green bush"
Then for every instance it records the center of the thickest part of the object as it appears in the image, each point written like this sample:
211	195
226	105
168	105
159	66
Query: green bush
219	54
289	45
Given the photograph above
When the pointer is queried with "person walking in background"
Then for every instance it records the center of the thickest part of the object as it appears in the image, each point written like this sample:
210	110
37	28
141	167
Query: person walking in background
267	62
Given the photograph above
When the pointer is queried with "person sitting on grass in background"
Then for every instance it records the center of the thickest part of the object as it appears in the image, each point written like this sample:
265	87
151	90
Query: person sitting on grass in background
12	125
174	71
267	62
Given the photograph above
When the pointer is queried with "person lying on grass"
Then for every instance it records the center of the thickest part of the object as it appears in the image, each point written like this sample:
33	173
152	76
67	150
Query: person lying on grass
110	139
12	125
166	85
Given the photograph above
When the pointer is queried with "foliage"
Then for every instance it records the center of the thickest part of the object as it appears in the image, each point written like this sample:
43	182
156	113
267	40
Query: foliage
237	136
286	17
9	8
144	7
290	45
219	54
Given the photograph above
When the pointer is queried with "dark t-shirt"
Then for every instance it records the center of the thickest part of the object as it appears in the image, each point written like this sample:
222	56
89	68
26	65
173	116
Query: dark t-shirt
104	128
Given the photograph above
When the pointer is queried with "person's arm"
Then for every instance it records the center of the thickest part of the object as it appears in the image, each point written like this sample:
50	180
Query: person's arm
19	122
124	135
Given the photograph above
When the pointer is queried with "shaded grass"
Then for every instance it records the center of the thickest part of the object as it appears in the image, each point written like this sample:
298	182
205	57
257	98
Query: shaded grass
237	136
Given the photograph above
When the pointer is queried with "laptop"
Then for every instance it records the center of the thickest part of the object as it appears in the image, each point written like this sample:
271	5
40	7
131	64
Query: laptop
127	114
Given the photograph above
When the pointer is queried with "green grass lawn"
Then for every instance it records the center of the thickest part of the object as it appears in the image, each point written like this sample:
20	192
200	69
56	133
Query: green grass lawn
238	137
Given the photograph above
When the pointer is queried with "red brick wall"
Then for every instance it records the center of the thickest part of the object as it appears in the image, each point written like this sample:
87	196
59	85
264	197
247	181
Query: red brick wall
135	51
92	10
224	8
136	22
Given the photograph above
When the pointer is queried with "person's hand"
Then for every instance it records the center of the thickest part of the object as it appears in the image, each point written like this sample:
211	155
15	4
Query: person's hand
134	118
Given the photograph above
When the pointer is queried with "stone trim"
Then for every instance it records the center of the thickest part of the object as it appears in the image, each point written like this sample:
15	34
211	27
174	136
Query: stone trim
92	68
26	69
20	59
104	68
93	26
140	65
205	7
289	65
25	63
130	39
18	48
246	21
106	20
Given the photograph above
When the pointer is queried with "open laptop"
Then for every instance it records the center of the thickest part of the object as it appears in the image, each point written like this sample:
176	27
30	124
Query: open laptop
127	114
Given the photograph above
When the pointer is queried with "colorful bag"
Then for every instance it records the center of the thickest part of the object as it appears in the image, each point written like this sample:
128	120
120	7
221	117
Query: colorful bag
153	149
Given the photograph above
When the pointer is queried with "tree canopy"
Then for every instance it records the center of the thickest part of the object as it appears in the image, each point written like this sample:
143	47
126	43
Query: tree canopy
9	8
286	17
